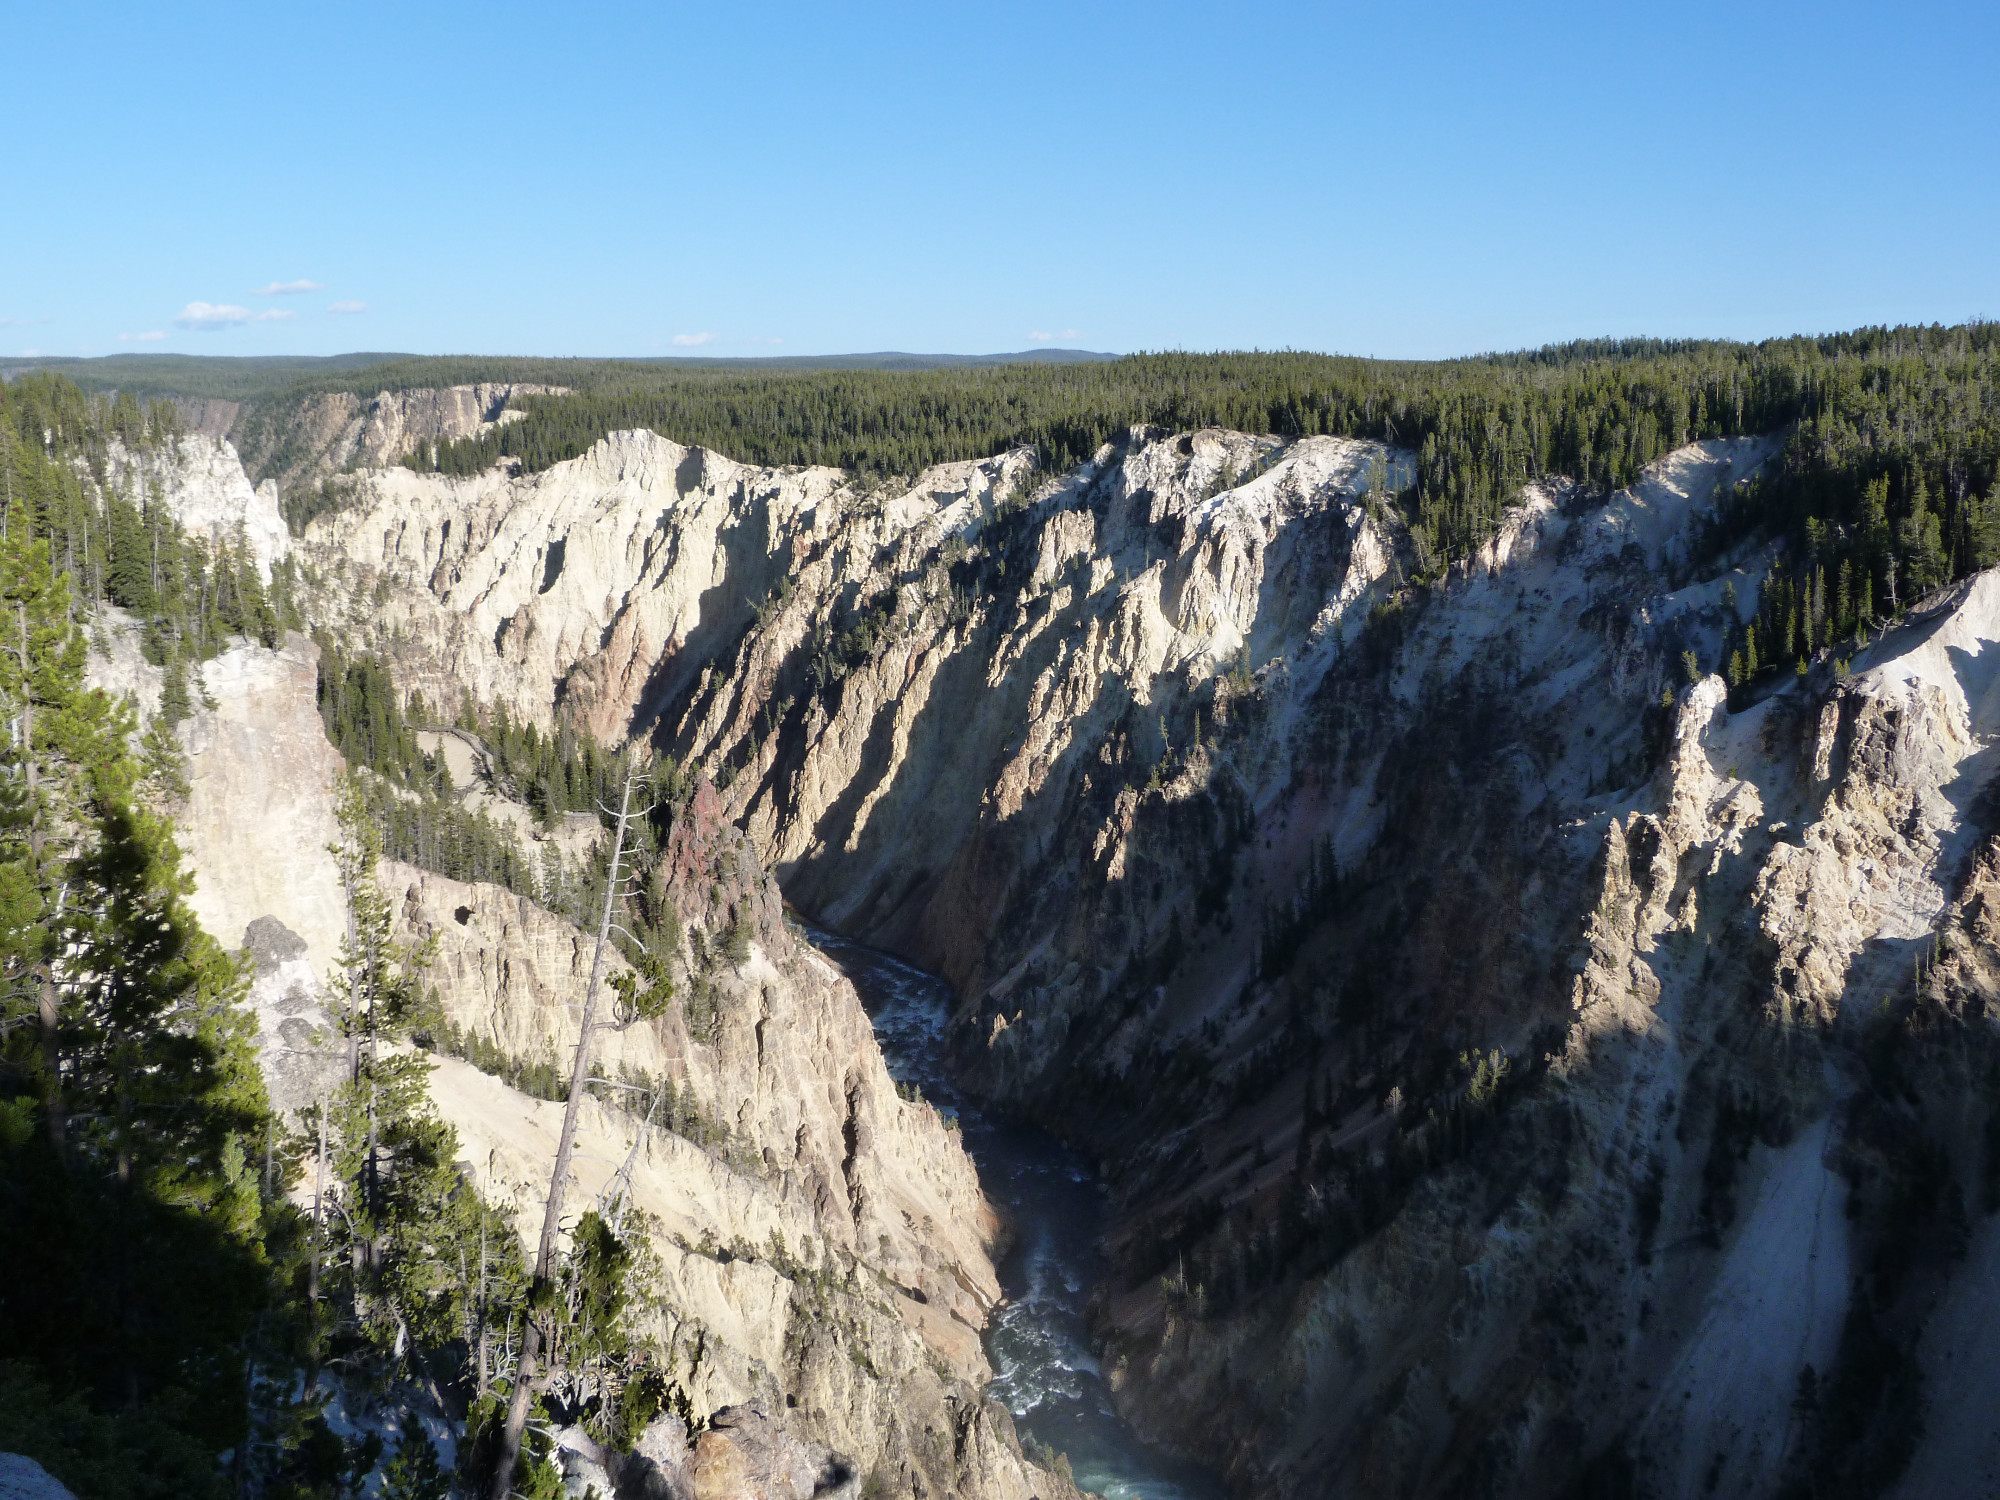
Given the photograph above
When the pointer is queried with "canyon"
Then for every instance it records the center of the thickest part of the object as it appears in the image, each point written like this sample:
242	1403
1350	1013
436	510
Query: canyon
822	1263
1519	1061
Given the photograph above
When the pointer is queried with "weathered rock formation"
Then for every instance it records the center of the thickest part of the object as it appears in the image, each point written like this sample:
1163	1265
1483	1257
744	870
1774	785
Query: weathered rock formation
610	583
302	441
745	1453
201	480
821	1243
1519	1066
255	829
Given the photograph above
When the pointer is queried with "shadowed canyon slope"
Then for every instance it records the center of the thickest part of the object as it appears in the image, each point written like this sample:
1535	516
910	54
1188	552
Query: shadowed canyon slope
1509	1045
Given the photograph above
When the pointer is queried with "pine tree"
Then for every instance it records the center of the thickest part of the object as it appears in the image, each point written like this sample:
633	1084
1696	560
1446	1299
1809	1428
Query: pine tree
129	579
415	1473
133	1256
1982	530
405	1228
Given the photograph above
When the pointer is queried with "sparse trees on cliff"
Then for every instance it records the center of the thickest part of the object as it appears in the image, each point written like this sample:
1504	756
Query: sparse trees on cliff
398	1227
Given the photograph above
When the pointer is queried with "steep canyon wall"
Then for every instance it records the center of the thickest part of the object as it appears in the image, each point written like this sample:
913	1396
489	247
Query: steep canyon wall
1510	1049
821	1243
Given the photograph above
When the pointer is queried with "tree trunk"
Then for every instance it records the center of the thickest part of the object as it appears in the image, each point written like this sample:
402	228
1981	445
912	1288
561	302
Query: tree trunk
371	1179
353	990
483	1379
532	1336
48	1017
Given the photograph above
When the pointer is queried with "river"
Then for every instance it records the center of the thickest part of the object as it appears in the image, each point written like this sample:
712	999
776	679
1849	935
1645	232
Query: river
1044	1370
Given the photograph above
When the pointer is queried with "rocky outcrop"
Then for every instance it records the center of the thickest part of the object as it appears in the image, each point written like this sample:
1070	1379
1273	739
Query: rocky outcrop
201	480
259	816
210	416
822	1241
605	585
299	1046
745	1453
1636	1264
300	441
605	589
255	829
24	1479
740	1457
1096	643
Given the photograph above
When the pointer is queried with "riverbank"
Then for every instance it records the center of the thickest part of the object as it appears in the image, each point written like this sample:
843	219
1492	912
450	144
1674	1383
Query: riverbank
1044	1369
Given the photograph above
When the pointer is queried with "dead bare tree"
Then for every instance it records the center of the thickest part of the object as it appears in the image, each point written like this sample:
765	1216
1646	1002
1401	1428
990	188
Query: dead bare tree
541	1299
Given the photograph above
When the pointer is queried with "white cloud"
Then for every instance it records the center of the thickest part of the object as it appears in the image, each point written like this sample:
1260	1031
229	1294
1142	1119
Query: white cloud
287	288
692	340
1050	338
347	307
142	338
31	354
23	322
210	316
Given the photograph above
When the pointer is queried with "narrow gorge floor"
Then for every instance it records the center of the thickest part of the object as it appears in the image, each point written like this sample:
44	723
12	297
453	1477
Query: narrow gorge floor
1045	1372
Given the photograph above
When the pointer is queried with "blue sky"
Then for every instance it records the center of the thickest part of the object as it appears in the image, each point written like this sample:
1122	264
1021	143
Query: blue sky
1416	179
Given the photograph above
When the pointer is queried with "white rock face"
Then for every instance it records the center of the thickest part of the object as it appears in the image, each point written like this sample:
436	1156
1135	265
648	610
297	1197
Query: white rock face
260	817
1146	585
255	831
299	1044
1776	1306
261	775
332	433
823	1168
202	481
611	579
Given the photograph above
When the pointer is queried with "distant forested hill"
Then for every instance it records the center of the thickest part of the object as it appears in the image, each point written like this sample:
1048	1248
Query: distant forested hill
259	377
195	376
